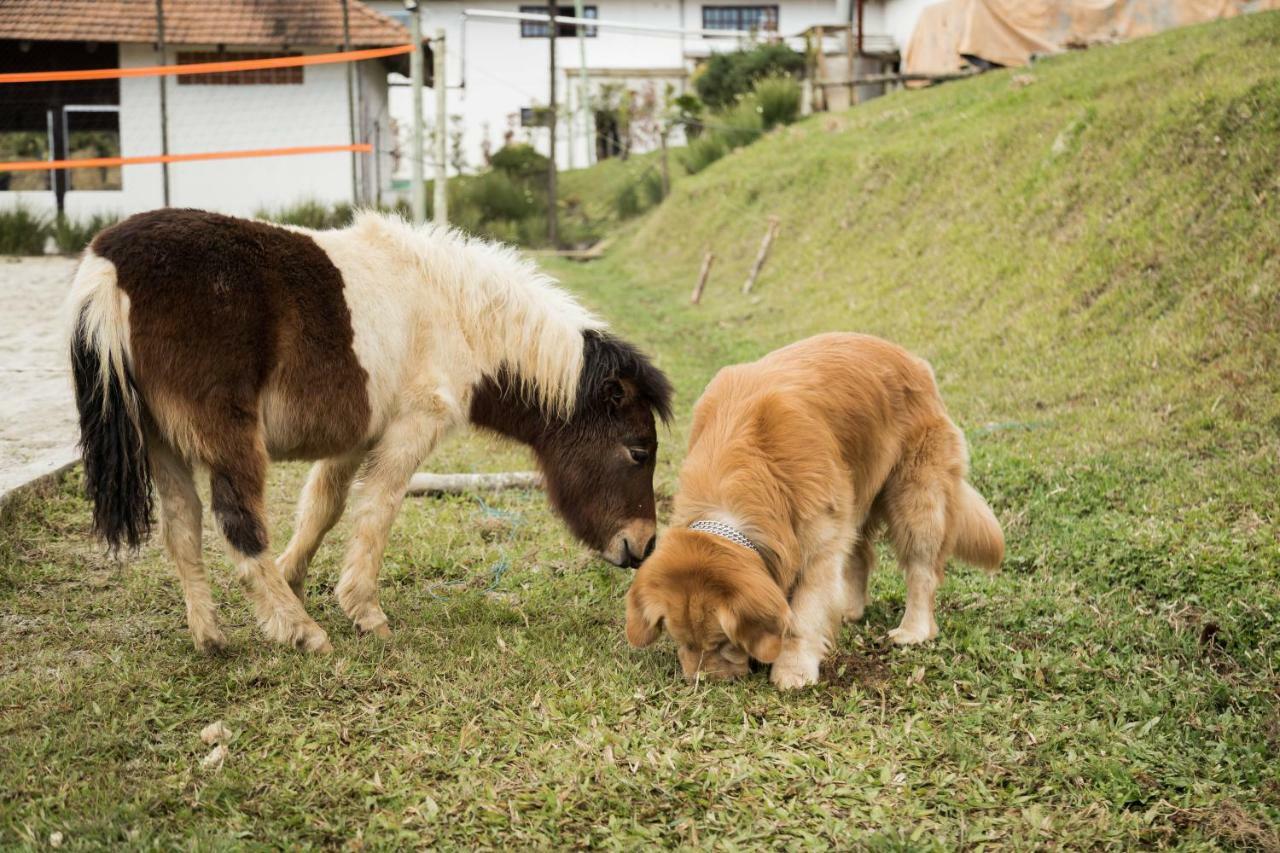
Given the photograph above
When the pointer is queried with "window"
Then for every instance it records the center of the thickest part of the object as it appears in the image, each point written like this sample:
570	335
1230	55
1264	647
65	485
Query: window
69	120
91	132
257	77
535	117
740	18
538	29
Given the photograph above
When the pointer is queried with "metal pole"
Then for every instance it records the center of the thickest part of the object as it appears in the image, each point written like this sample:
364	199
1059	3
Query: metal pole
859	2
552	228
164	99
584	96
440	213
417	189
351	105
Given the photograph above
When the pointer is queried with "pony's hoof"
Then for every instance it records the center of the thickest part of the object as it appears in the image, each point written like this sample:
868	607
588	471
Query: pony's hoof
378	627
210	642
315	641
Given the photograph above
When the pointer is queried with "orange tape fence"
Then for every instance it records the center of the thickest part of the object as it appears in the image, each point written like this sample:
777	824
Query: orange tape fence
193	68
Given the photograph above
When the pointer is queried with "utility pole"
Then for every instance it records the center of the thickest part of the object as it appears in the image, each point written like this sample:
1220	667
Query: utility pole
351	105
164	100
584	98
417	189
553	236
440	201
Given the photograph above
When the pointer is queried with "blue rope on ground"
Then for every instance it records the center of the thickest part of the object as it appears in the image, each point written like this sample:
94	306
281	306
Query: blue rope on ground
498	569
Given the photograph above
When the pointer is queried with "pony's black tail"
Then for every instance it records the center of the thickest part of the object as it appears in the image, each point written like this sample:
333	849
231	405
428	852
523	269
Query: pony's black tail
117	477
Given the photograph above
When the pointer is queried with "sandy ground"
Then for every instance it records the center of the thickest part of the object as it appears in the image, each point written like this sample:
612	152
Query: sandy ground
37	411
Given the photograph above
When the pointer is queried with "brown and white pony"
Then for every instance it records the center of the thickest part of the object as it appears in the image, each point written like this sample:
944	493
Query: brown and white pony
201	340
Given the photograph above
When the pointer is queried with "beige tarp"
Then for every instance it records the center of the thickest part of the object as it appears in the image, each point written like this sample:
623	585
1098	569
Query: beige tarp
1009	32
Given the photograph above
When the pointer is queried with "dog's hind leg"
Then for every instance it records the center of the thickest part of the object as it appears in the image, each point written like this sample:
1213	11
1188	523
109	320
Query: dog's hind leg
237	482
323	498
378	495
857	571
180	513
916	504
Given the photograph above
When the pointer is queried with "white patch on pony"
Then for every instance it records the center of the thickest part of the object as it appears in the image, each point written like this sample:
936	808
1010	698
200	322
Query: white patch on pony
435	311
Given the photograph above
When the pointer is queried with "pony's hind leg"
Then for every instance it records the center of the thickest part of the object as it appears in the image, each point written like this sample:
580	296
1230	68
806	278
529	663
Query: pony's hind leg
378	496
323	498
180	512
238	483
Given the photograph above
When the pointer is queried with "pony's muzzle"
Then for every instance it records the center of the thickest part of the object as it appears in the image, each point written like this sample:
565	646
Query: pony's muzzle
632	544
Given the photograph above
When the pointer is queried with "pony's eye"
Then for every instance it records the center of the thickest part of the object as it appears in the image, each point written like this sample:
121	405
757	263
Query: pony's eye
638	455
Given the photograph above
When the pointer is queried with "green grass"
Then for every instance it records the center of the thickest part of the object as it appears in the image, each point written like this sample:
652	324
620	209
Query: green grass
22	232
1092	264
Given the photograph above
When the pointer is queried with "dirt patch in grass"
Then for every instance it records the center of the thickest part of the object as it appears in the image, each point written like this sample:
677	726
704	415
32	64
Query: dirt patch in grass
867	669
1228	822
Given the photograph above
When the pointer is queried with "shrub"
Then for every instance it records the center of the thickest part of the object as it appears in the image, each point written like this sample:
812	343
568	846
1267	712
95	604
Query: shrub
741	125
651	188
627	202
728	76
702	152
310	214
22	232
497	195
688	113
778	99
520	162
71	236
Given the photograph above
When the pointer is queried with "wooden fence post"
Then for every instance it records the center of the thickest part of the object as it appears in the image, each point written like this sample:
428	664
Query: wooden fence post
707	260
762	254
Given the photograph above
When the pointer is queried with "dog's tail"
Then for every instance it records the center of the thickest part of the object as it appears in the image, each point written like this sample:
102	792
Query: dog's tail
117	477
979	539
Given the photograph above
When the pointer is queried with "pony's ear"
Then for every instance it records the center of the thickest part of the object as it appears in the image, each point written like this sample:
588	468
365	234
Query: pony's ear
757	621
643	623
619	392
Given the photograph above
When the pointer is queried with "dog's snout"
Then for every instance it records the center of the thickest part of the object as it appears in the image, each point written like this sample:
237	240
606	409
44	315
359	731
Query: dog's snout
648	548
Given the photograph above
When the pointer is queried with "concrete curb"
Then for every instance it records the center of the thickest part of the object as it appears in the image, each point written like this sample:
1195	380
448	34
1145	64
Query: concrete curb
41	483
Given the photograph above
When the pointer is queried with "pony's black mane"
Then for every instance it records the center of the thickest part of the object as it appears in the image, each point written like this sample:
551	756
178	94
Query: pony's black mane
605	357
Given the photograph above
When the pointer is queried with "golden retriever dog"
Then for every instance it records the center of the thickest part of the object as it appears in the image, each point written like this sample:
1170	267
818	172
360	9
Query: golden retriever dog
795	463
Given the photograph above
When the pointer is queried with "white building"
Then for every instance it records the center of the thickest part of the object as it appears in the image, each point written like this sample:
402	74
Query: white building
250	111
498	71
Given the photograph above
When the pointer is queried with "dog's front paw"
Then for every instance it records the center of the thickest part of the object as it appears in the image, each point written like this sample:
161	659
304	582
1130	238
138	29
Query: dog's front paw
794	672
905	635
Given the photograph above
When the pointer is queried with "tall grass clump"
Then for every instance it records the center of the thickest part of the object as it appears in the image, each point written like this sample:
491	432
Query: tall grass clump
310	214
777	100
72	235
773	101
702	152
22	232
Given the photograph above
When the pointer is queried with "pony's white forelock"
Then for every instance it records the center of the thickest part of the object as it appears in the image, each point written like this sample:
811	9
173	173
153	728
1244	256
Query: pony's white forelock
513	315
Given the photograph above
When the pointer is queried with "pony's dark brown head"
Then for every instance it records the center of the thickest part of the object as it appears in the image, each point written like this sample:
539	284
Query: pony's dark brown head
597	463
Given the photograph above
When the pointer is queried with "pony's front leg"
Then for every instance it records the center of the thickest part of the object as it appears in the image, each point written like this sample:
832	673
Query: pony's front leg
323	498
378	494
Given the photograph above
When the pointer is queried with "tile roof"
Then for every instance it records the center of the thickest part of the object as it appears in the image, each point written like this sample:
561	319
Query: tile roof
276	23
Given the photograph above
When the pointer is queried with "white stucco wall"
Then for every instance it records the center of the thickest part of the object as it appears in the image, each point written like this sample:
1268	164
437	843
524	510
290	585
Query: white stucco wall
503	72
237	117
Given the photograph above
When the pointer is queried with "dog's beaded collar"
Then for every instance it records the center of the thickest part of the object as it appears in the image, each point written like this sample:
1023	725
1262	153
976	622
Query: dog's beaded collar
724	531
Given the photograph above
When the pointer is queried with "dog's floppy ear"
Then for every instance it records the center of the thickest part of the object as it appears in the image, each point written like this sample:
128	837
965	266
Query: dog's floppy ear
643	624
757	620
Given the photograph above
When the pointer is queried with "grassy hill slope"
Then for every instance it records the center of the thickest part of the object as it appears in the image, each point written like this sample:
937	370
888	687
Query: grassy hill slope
1091	261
